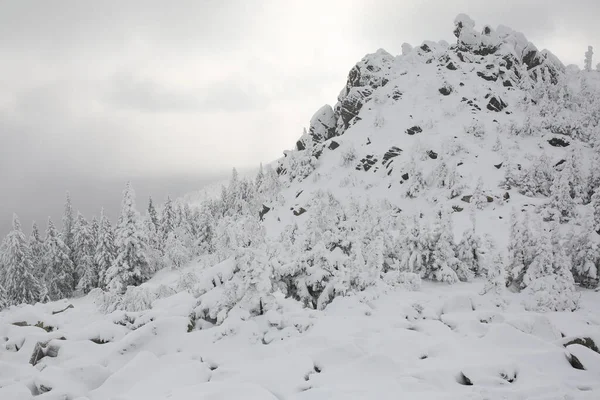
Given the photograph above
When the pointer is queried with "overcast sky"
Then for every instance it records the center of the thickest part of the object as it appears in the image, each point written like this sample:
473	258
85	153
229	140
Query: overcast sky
93	93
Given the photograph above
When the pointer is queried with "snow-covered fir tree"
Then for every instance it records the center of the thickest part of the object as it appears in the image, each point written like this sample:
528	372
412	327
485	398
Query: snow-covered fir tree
468	251
168	222
595	203
443	264
84	250
105	252
548	280
36	244
415	253
131	265
561	201
19	282
68	234
587	62
59	270
177	248
496	275
479	199
585	256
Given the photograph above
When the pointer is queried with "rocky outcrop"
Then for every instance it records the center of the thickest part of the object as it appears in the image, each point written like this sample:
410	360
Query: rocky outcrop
322	124
370	73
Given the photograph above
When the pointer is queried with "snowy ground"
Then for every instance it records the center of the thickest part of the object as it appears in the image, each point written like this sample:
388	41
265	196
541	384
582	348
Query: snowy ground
441	342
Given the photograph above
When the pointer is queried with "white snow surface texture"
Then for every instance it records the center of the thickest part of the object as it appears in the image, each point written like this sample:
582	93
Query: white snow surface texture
469	105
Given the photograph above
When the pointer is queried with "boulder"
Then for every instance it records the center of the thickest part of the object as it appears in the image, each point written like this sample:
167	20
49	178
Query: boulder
558	142
496	104
415	129
322	124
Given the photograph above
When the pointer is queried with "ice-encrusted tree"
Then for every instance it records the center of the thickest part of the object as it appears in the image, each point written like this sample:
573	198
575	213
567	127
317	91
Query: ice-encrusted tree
442	263
585	257
468	252
36	244
587	62
58	267
538	178
479	199
168	222
416	182
105	249
415	252
177	248
595	203
131	265
68	221
94	229
521	248
84	256
549	280
152	213
496	274
19	281
561	201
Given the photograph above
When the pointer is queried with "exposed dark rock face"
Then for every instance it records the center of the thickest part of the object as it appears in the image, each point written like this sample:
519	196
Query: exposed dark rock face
451	66
488	76
322	124
391	153
366	163
574	361
264	211
496	104
413	130
351	105
299	211
445	90
333	145
498	166
558	142
432	154
584	341
405	176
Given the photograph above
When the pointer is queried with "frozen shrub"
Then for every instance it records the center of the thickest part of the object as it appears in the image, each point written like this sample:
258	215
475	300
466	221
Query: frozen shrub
349	156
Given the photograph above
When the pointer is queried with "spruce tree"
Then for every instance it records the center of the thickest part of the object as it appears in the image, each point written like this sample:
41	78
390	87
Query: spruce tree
131	265
84	256
68	221
105	249
596	209
479	199
94	229
468	252
443	262
58	267
496	275
36	244
152	213
168	221
20	283
561	199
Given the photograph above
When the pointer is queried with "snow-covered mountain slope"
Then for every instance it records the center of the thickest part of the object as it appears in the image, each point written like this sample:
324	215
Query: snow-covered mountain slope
322	298
434	120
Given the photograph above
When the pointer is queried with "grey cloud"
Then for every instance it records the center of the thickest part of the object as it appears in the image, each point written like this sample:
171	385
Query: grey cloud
151	96
116	90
